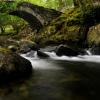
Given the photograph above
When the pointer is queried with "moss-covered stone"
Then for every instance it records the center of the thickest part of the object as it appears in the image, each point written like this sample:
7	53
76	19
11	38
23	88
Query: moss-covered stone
13	66
94	34
26	46
5	51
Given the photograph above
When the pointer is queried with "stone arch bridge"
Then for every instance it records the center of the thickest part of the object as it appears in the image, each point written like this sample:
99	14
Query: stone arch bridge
36	16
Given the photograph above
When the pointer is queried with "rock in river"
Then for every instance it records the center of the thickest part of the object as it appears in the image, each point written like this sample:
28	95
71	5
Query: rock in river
42	54
26	46
65	50
13	66
95	49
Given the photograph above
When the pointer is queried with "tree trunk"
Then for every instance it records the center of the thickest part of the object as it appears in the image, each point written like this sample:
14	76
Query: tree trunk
83	36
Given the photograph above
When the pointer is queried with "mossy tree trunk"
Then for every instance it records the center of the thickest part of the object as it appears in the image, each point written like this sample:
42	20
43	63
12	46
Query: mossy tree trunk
83	36
85	6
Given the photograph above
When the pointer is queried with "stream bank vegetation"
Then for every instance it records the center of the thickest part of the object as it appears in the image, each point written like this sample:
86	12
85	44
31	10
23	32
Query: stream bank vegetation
73	25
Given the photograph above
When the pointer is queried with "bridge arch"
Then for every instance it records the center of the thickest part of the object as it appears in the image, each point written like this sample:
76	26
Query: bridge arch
34	23
35	15
45	15
29	10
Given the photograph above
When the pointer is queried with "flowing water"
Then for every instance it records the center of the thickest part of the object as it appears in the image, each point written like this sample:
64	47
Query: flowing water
58	78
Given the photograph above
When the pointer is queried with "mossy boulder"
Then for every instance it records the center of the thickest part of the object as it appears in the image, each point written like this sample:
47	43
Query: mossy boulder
26	46
65	50
69	51
94	34
22	46
94	39
13	66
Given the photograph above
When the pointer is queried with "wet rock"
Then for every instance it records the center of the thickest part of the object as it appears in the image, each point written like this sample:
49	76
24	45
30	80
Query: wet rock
48	48
13	48
13	66
26	46
95	49
31	54
42	54
82	52
65	50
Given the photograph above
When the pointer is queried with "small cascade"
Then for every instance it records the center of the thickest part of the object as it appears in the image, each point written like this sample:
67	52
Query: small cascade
39	63
53	59
88	52
51	54
31	54
80	58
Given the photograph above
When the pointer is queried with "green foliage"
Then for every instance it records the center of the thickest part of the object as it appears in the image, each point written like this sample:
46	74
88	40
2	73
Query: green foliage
5	51
18	23
64	28
54	4
67	27
6	7
6	20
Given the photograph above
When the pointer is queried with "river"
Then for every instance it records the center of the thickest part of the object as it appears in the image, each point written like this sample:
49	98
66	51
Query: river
57	78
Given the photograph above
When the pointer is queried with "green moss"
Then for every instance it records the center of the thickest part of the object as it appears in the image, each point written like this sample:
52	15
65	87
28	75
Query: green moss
5	50
94	34
65	27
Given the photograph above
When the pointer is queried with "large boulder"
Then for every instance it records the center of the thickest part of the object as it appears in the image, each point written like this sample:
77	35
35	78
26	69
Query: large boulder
26	46
94	35
66	50
13	66
94	39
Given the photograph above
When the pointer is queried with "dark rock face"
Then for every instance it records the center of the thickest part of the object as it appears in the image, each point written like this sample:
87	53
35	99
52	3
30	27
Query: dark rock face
42	54
13	66
65	50
30	54
95	50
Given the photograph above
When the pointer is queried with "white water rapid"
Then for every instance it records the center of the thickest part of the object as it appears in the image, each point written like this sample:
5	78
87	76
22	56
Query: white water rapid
48	63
